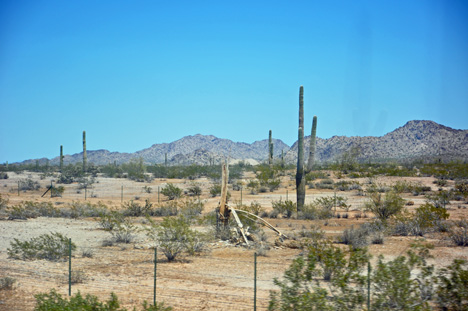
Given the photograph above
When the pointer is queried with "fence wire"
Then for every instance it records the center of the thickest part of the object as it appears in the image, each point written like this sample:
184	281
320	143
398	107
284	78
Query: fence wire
208	284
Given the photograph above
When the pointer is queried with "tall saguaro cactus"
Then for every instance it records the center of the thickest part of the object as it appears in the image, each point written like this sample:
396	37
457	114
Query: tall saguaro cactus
310	162
85	158
300	179
270	149
61	158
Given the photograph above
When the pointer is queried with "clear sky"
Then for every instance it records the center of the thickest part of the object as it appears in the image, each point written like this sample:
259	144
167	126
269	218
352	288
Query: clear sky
136	73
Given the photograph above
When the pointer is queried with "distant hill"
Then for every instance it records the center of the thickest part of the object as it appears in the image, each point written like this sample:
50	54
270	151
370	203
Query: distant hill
200	149
416	139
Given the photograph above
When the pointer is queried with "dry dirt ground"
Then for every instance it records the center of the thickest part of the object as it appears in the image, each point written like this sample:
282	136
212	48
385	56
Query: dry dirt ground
220	279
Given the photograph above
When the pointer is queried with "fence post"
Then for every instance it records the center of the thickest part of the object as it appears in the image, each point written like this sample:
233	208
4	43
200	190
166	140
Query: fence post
158	194
286	194
85	192
69	266
155	269
121	194
368	284
241	195
18	187
255	281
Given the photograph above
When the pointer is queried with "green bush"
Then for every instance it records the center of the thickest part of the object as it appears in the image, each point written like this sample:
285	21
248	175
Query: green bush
343	285
452	292
53	247
136	210
171	192
173	236
53	301
286	208
384	207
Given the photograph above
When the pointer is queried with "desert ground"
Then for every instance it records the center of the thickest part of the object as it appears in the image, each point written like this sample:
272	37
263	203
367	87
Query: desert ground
221	278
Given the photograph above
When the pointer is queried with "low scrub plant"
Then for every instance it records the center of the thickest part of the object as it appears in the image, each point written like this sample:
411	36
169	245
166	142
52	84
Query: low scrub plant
173	236
285	208
53	301
7	283
459	233
385	206
171	192
53	247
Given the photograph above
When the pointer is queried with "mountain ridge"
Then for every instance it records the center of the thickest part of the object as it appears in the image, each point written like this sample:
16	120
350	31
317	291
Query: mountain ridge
416	138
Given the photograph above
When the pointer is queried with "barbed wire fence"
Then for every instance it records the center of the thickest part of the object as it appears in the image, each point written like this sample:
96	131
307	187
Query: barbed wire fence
135	276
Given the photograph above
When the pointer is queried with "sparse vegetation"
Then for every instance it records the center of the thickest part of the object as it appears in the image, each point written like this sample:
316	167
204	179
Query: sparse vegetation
53	247
171	192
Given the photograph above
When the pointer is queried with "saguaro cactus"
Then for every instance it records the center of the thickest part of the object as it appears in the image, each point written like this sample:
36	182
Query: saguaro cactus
85	158
61	158
300	180
270	149
310	162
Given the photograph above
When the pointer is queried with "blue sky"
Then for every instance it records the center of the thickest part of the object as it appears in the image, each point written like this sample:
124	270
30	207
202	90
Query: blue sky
136	73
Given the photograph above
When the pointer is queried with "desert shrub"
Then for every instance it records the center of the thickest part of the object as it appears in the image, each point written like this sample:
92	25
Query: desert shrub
316	210
461	187
439	199
87	252
315	233
135	169
7	283
53	301
253	185
268	177
254	208
315	175
194	190
57	192
325	184
215	190
28	184
147	189
109	221
191	209
3	175
53	247
111	170
83	209
384	207
76	277
356	238
428	216
404	283
301	288
172	236
124	231
452	292
171	192
407	226
70	173
169	209
459	234
286	208
136	210
20	211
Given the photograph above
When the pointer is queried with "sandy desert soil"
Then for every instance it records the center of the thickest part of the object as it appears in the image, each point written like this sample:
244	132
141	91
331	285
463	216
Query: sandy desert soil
220	279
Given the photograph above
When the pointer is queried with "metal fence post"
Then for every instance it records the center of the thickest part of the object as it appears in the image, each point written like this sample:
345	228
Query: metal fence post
255	281
69	265
121	194
155	269
368	284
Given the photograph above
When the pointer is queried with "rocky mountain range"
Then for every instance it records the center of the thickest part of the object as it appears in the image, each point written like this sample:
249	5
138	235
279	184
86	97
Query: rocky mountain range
416	139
